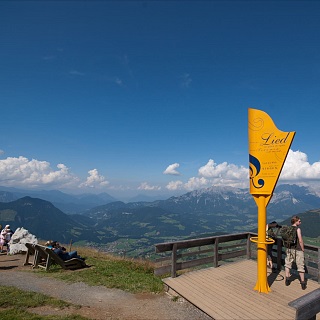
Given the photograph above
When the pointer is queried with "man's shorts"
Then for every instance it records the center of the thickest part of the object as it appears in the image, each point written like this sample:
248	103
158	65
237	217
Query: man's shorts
297	256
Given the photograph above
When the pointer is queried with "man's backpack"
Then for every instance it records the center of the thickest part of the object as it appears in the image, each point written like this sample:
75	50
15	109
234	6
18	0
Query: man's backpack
273	230
273	233
289	236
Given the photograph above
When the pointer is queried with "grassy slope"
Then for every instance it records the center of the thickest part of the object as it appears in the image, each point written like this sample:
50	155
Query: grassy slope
14	304
130	275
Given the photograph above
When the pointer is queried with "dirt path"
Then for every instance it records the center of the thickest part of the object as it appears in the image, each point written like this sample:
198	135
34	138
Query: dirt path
96	302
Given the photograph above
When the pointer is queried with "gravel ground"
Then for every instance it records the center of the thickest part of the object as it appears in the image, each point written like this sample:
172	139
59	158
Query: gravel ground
96	302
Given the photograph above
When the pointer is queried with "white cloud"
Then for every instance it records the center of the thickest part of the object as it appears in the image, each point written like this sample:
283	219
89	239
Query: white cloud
22	172
120	188
145	186
175	185
94	180
34	173
298	169
1	152
171	169
192	184
223	171
197	183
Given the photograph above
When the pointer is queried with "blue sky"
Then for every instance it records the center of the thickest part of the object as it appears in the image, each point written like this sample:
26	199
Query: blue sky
152	97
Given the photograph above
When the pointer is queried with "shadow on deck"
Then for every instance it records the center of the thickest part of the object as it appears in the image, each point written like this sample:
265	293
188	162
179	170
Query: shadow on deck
227	292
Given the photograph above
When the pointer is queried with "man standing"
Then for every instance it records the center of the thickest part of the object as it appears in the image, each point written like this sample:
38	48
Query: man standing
295	253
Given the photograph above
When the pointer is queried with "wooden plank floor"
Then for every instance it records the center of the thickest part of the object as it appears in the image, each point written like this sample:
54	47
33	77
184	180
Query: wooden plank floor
227	292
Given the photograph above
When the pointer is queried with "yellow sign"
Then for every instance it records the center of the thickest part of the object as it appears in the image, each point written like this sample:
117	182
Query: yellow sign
268	149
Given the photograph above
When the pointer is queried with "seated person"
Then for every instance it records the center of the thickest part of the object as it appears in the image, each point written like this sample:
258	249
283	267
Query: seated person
48	244
62	251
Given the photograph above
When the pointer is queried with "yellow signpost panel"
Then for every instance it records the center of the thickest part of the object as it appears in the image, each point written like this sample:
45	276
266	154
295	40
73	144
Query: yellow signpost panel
268	149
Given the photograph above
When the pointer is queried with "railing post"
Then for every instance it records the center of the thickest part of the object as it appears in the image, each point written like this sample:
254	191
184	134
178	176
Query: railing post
319	265
174	261
248	247
279	254
216	252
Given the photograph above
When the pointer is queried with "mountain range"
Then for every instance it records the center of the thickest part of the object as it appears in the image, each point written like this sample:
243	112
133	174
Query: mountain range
68	203
135	226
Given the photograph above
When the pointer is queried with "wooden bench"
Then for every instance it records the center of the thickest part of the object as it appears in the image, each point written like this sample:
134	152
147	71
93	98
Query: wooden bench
38	253
307	306
71	264
30	252
41	259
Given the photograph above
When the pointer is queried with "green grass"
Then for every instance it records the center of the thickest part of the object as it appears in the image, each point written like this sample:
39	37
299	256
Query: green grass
131	275
14	304
312	241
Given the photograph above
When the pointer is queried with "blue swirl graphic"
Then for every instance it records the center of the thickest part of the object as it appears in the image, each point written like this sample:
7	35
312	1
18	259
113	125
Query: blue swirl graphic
255	167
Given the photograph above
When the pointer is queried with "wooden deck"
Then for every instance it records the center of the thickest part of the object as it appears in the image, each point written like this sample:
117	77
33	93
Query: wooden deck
227	292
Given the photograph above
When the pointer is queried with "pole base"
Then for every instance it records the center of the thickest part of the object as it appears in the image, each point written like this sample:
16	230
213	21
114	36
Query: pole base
264	288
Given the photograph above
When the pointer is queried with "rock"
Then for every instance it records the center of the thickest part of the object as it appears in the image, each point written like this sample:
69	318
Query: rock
19	238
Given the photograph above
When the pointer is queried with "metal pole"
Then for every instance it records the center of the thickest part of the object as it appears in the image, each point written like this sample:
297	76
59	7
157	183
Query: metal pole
262	281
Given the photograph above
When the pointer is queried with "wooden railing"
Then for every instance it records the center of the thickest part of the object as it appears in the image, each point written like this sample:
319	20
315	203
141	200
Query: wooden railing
205	252
308	306
191	253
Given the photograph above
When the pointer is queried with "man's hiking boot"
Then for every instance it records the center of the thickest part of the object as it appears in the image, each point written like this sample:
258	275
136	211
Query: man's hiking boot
288	281
303	285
